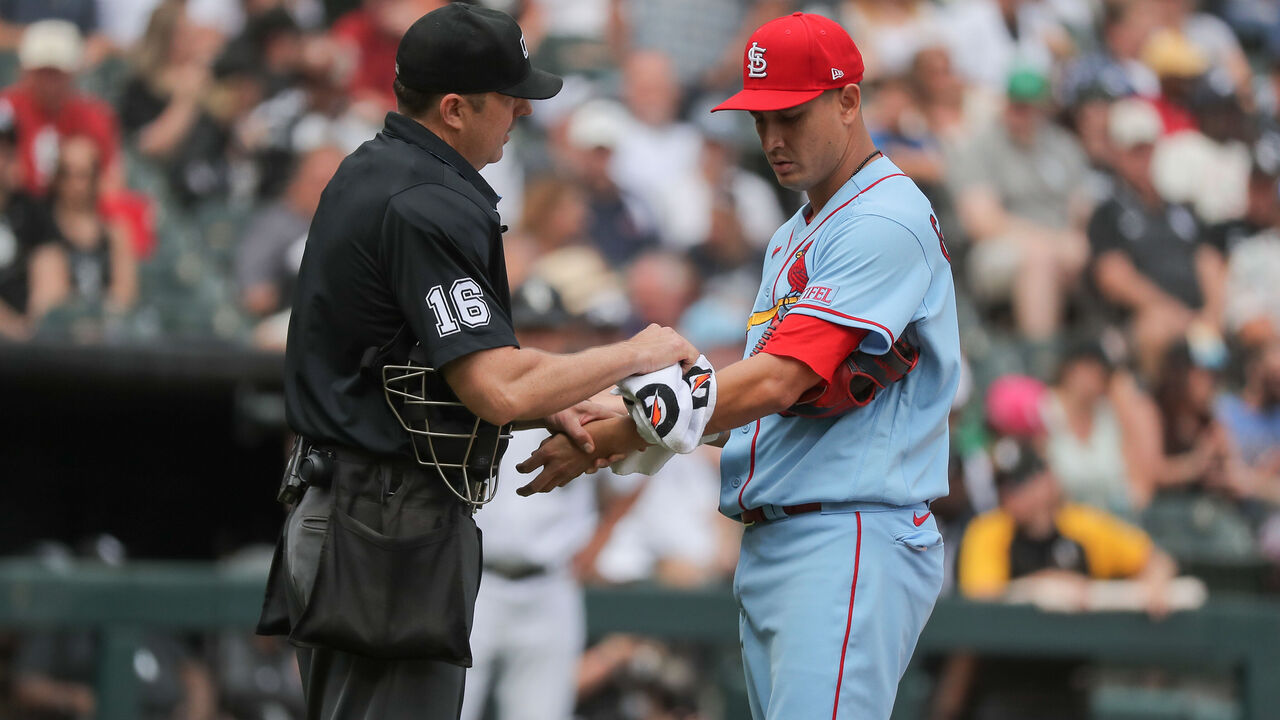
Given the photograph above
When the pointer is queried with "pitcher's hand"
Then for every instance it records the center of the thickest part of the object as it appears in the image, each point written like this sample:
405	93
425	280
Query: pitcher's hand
560	461
570	421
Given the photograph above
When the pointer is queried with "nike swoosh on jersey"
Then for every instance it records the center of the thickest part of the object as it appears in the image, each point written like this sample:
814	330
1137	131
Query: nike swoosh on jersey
919	519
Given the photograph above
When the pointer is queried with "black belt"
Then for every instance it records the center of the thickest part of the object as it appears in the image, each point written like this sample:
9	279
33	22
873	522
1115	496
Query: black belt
756	515
515	570
317	466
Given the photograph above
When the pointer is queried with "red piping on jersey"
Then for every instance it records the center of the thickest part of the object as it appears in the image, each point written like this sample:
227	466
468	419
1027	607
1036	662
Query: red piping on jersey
892	339
752	471
824	220
848	625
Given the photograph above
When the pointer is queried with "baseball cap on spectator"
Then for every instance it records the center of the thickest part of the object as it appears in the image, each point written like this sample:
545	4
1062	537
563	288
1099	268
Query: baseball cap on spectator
1013	406
1027	85
792	60
535	305
1170	54
1014	463
463	48
1132	122
598	124
54	44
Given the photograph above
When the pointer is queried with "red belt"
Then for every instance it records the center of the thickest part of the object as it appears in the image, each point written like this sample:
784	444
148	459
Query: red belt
756	515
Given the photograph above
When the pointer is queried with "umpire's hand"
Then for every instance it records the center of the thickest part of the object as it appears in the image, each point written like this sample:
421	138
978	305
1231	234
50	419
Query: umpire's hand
656	347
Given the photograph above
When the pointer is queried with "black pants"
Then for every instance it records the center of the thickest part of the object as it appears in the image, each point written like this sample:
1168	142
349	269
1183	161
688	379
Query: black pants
344	686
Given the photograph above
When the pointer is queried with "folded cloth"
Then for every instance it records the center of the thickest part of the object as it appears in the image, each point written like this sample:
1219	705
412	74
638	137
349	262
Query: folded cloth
646	462
672	406
651	459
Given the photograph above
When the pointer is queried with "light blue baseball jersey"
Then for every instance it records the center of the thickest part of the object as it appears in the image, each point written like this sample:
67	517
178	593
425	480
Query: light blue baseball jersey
872	258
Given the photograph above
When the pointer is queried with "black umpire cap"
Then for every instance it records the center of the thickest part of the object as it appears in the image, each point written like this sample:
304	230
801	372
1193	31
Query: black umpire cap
463	48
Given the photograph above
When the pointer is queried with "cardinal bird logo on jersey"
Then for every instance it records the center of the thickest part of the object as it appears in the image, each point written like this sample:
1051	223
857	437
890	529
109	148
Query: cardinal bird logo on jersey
798	274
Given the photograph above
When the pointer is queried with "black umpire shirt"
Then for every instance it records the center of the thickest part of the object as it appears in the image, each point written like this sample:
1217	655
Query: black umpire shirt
407	232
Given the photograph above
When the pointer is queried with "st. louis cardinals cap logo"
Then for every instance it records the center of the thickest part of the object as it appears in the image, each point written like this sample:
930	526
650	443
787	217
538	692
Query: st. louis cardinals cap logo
756	64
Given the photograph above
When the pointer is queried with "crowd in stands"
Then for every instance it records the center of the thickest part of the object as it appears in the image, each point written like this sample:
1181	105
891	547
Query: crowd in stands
1106	174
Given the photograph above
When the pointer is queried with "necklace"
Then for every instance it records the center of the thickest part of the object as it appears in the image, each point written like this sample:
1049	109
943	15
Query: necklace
864	162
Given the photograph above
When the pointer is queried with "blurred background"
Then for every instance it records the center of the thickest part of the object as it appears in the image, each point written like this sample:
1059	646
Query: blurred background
1105	173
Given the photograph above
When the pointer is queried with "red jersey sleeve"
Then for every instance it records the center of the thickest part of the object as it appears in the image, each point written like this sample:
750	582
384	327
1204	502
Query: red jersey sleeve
817	343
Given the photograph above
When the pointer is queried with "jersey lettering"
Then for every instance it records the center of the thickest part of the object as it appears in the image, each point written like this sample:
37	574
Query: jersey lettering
468	302
818	293
467	297
445	324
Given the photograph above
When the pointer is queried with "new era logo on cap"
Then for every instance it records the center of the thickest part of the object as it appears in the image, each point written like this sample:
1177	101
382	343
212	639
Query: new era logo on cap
808	54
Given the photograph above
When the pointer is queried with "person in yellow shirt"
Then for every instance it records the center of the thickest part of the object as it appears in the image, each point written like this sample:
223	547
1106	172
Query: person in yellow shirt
1037	545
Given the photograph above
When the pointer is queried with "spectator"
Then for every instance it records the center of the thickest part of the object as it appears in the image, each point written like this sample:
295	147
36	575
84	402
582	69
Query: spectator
1036	545
619	224
1200	455
989	39
48	106
162	99
702	39
16	15
367	38
1211	36
1207	168
24	225
212	163
270	252
1252	246
1180	66
661	286
1037	534
1115	68
1020	192
657	146
1253	417
91	262
953	108
1101	442
898	129
321	112
272	41
554	214
1150	257
718	190
890	33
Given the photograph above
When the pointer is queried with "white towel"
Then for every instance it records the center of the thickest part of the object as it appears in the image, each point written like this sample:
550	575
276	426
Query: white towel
646	462
651	459
672	406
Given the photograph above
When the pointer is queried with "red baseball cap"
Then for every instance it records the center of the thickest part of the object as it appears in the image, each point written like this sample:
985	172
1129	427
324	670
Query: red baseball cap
792	60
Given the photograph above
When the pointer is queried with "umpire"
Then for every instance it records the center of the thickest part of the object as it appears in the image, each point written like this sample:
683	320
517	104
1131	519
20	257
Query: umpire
403	375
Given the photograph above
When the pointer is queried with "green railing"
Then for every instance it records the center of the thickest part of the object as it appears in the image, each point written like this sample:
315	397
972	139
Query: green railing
1240	633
